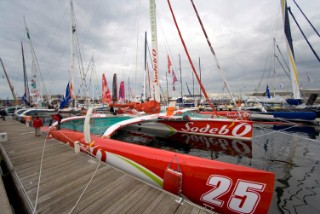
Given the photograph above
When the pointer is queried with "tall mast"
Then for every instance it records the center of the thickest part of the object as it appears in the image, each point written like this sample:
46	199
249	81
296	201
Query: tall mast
274	67
287	31
26	87
154	50
200	76
73	31
145	67
75	46
167	87
11	87
180	77
36	73
192	85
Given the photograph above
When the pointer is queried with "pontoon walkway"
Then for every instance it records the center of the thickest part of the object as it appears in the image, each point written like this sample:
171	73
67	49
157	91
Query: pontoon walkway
65	176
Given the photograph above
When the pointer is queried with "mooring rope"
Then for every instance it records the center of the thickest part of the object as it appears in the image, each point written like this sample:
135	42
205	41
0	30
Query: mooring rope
94	173
39	179
275	131
84	190
282	132
40	173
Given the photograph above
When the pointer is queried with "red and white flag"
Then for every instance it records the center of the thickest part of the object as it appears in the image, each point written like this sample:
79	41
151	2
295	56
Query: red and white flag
169	64
174	79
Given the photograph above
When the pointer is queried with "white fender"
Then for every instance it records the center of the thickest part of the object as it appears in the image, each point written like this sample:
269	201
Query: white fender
86	126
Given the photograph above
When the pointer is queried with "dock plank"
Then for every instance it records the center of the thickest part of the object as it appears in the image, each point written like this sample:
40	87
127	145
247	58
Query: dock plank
65	174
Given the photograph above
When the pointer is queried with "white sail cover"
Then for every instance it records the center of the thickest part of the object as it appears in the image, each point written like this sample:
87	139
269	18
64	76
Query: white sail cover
293	70
86	128
154	41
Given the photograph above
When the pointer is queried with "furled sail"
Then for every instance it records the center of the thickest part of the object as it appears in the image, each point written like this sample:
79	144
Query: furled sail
154	50
293	72
122	96
114	89
106	96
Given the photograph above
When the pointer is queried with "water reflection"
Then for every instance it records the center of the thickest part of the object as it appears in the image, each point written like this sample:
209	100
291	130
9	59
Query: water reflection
292	153
197	145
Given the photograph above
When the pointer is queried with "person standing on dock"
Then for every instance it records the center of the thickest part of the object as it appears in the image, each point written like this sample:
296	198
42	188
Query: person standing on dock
3	113
37	124
58	118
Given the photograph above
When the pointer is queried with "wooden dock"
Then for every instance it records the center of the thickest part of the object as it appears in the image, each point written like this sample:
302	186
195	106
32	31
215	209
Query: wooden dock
77	183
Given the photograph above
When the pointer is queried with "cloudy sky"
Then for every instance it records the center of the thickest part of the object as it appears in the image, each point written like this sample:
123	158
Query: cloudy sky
113	33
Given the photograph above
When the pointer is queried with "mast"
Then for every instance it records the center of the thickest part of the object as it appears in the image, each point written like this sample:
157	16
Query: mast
145	67
11	87
274	67
180	78
200	77
192	85
167	87
37	90
75	46
128	90
287	31
73	31
154	50
26	87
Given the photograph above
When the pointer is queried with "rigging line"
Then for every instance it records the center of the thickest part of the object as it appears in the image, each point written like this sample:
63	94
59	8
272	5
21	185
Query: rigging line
190	61
275	131
307	18
54	35
216	59
167	46
314	52
283	58
282	132
80	63
84	190
40	173
282	66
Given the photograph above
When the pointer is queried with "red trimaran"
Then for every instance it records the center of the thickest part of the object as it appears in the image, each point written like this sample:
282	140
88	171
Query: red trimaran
151	106
222	187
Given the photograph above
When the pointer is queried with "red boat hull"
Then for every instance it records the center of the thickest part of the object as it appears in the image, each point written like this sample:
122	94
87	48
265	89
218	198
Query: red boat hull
245	115
149	107
240	129
219	186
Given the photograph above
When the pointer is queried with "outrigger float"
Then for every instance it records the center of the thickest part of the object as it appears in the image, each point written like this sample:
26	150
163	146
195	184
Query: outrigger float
222	187
169	125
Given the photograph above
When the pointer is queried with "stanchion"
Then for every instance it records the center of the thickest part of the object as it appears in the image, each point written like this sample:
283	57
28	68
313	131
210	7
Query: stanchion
28	120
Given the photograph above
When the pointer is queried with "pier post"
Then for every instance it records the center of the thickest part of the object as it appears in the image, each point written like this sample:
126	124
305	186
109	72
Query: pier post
3	137
77	147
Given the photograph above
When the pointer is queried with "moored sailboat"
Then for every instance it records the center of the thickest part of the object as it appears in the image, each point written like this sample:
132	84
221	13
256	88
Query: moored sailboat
295	112
216	185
